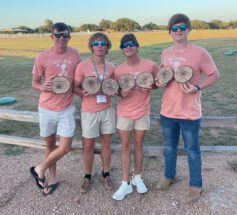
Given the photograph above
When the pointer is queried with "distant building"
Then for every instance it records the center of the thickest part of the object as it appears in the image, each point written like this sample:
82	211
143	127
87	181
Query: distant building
14	31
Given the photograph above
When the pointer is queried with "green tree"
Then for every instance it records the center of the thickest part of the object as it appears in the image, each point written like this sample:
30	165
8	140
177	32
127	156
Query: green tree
105	24
233	24
150	26
218	24
199	24
88	27
125	24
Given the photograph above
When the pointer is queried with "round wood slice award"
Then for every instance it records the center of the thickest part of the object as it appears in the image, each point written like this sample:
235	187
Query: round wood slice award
183	74
60	84
145	80
126	82
91	84
165	75
110	86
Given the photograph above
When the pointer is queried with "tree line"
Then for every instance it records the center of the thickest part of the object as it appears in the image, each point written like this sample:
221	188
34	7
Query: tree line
126	24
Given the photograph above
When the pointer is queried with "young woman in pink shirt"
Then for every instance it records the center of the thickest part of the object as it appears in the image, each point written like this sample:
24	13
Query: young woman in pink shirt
133	112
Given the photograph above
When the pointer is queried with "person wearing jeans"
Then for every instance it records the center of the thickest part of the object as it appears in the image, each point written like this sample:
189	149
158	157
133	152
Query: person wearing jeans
181	103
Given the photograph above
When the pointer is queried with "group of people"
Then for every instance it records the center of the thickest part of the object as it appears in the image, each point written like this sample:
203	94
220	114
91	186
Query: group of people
180	108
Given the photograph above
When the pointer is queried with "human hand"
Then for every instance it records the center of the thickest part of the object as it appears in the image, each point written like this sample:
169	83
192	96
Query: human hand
188	88
47	86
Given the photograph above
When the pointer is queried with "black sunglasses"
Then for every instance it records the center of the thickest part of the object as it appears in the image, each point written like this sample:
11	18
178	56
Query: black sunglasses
64	35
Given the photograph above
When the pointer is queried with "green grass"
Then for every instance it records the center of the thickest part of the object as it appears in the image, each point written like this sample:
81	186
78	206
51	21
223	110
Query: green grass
10	150
218	100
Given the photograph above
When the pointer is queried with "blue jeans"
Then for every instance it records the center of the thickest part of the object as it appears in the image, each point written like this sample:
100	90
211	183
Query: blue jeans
189	130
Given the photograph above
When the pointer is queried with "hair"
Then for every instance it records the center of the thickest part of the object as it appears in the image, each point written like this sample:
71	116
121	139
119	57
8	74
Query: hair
179	18
99	36
127	38
60	26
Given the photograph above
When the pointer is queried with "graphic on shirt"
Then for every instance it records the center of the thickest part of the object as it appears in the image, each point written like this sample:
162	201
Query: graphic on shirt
63	67
176	62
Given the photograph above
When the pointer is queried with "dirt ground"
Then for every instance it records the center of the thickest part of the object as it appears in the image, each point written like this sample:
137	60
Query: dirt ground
19	194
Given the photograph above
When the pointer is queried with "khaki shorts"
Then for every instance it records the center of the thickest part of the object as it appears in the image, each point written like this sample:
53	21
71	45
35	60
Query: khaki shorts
124	123
62	122
96	123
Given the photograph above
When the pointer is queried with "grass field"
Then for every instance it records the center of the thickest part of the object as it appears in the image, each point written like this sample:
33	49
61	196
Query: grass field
29	47
16	61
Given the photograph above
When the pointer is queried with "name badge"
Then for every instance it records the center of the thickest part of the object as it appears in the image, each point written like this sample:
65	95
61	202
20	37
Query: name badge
101	99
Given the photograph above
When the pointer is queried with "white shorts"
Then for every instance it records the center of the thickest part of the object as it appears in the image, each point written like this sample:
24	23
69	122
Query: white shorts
62	122
127	124
95	123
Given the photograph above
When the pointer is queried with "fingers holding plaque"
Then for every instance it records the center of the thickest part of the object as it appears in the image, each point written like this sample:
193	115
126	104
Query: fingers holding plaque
110	87
60	84
165	75
183	74
126	82
91	84
145	80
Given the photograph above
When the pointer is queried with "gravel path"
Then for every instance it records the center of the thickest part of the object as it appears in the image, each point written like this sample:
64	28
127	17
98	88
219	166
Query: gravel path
19	194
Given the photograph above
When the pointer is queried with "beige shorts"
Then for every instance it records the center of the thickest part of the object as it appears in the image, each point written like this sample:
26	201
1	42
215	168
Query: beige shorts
96	123
60	122
124	123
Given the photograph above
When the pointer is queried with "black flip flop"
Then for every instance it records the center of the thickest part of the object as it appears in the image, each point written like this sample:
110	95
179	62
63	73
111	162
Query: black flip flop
37	178
51	187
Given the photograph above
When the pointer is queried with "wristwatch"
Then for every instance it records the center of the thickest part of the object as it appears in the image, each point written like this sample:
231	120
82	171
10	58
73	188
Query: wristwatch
198	88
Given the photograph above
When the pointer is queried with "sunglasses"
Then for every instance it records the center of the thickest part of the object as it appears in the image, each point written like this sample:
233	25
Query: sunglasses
99	43
64	35
175	28
130	44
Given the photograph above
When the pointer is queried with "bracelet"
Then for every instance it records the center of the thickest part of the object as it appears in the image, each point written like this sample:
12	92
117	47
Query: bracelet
198	88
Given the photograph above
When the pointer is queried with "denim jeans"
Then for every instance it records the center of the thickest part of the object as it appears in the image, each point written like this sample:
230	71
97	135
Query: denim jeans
189	130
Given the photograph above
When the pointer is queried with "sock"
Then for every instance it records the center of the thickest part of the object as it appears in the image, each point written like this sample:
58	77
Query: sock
88	176
105	174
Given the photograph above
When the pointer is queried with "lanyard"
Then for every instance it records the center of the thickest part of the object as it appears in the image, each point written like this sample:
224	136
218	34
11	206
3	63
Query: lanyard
96	71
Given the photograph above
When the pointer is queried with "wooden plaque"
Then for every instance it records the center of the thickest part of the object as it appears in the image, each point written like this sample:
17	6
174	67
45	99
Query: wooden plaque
165	75
91	84
60	84
183	74
110	86
145	80
126	82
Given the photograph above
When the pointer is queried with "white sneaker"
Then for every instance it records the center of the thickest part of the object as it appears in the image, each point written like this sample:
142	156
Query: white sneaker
123	190
138	182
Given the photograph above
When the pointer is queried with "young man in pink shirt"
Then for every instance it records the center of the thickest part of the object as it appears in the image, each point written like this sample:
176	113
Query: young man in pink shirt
97	113
133	112
181	105
56	111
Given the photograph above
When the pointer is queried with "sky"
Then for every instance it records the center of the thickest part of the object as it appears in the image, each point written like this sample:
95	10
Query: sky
33	13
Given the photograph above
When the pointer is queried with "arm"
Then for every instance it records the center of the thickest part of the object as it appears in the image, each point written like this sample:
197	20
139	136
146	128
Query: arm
37	85
77	88
208	81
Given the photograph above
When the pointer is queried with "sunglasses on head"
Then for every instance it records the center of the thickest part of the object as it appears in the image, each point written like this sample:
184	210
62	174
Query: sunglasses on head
130	44
182	27
99	43
64	35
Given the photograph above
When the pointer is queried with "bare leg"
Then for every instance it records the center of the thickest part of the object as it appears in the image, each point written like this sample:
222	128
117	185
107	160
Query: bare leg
63	148
88	154
125	137
50	146
106	151
138	137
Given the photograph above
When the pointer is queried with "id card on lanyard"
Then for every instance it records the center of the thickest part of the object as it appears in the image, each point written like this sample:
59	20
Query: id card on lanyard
100	98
